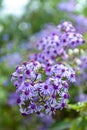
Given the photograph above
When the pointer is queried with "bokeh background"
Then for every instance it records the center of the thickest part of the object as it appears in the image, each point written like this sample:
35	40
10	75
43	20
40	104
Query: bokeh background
21	24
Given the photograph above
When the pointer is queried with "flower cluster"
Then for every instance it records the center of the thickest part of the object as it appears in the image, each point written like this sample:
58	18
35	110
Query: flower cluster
56	44
69	37
42	58
42	89
42	84
50	50
66	27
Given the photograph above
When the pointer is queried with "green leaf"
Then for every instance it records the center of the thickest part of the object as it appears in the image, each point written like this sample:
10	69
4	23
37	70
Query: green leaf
80	107
44	76
61	125
79	124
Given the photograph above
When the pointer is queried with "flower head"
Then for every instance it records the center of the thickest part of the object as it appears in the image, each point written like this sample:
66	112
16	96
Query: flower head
41	90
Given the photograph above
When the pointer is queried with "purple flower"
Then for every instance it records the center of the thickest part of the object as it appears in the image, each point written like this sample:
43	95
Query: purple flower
36	92
55	45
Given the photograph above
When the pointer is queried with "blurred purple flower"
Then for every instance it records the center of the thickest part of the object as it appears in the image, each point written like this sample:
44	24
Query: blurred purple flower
6	82
46	122
12	99
81	22
81	97
9	45
5	37
82	77
13	59
67	6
